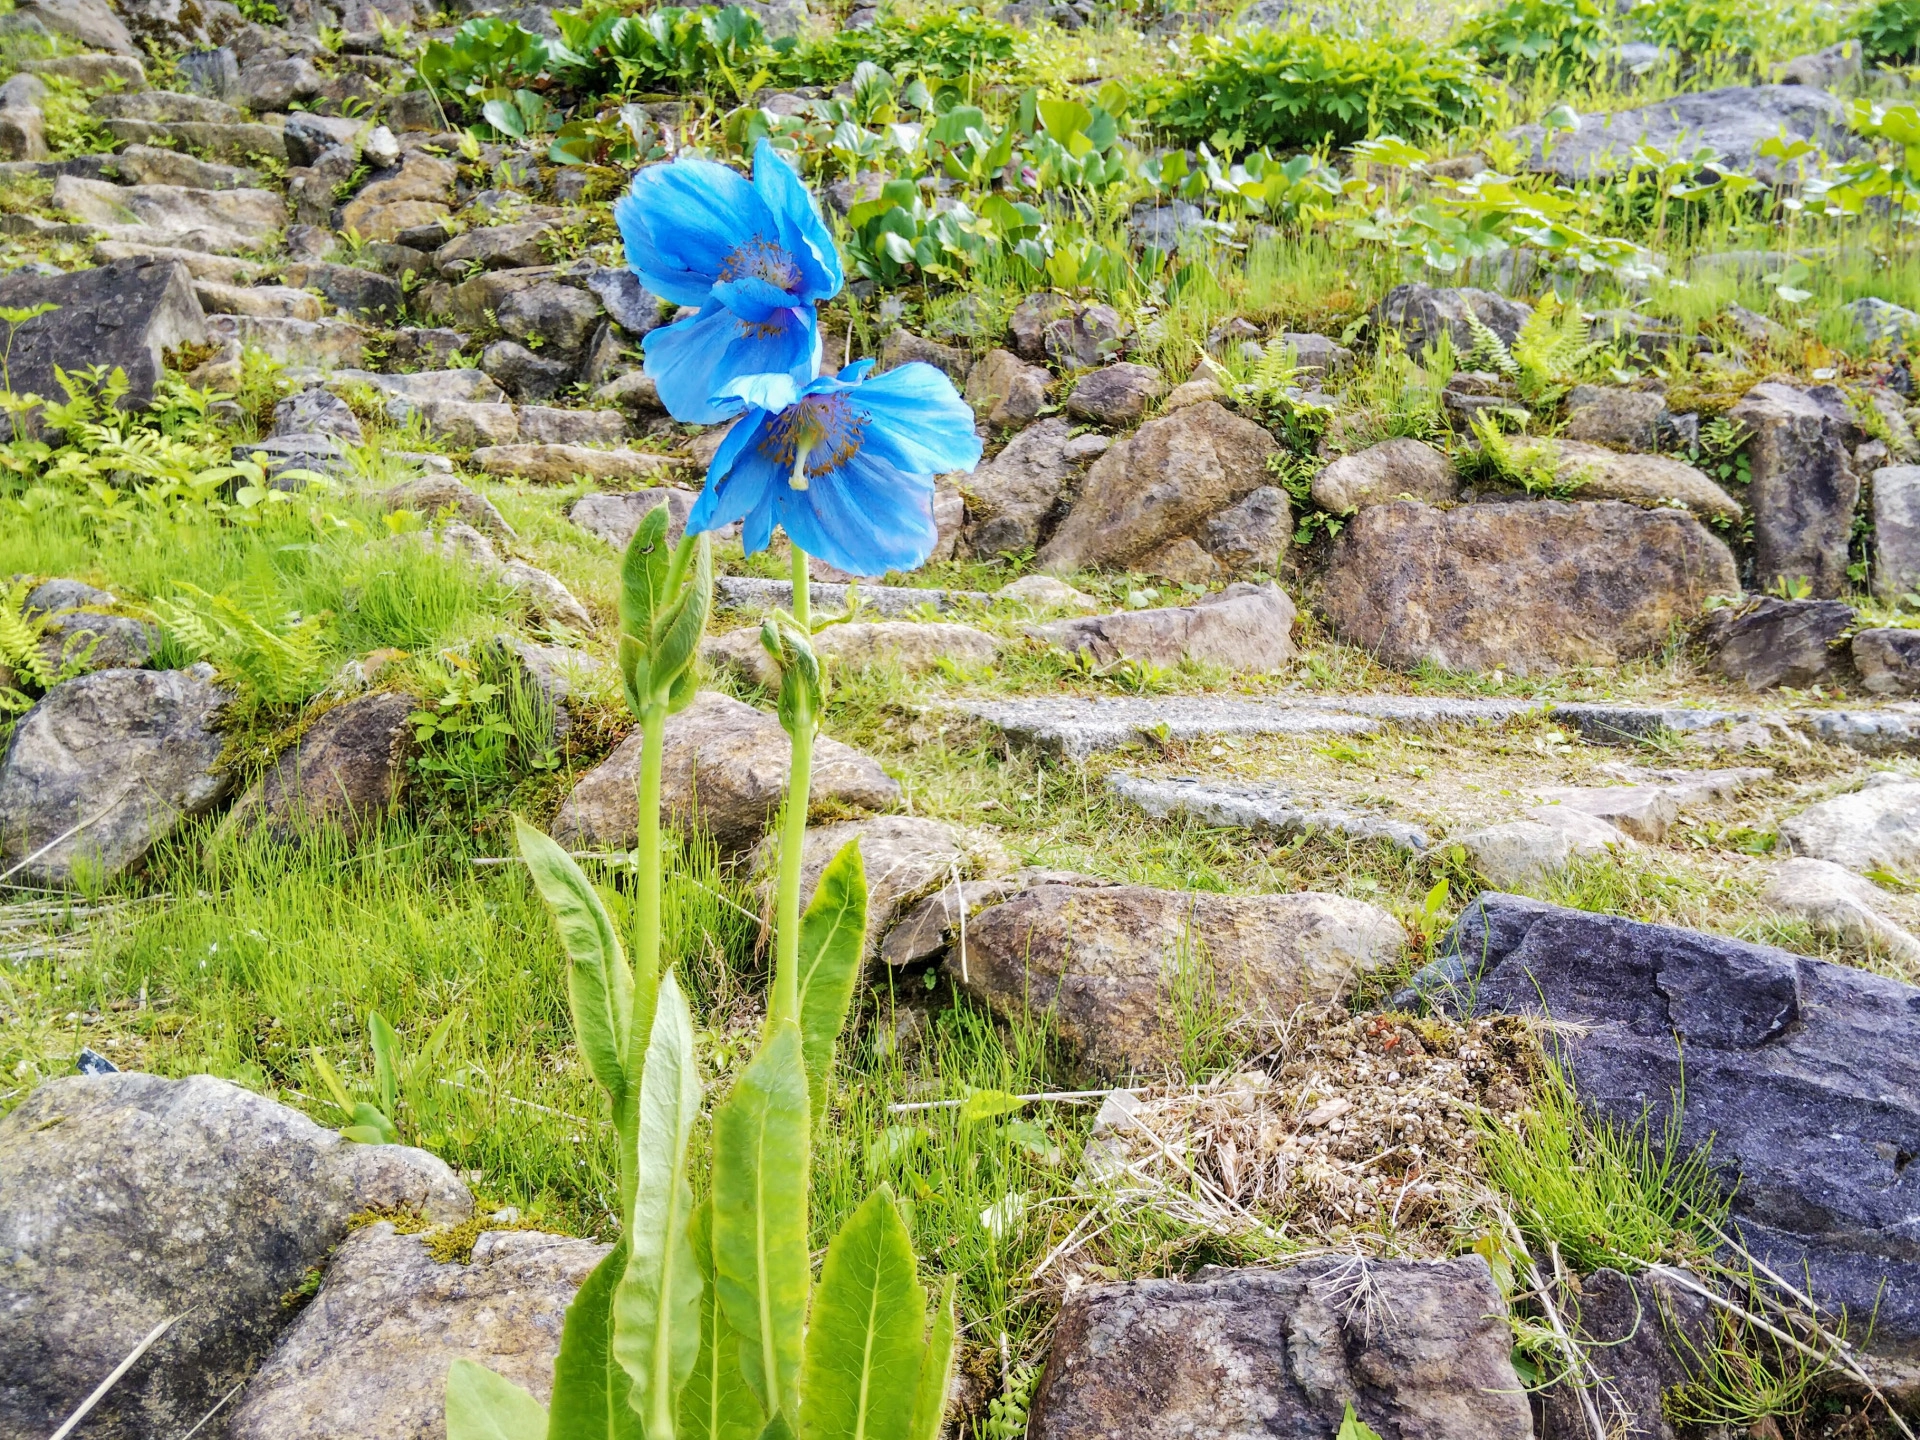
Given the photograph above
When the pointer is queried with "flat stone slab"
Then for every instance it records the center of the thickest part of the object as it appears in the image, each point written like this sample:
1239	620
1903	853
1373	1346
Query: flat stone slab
1266	808
1072	728
749	592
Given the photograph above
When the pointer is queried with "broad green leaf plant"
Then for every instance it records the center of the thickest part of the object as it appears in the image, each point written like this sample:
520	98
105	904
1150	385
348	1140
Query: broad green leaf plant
705	1321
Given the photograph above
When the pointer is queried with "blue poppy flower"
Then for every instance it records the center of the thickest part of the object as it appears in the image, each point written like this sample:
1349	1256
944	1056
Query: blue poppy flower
844	465
755	256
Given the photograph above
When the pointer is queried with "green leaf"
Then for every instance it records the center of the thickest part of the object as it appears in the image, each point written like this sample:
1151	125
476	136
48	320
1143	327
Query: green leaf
778	1428
599	980
370	1118
589	1387
988	1105
656	1312
643	574
864	1340
832	935
716	1405
484	1406
760	1176
386	1060
936	1370
686	620
1352	1427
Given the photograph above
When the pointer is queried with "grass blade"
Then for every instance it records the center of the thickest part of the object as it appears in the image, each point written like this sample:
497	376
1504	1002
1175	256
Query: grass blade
936	1370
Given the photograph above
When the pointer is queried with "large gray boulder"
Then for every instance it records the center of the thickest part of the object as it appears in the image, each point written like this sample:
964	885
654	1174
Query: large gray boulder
1421	314
1804	485
346	770
368	1355
1896	530
1105	963
126	314
1420	1348
1732	122
1011	499
1244	627
1877	827
107	764
1399	469
1804	1076
1767	642
126	1199
1159	487
1526	587
724	766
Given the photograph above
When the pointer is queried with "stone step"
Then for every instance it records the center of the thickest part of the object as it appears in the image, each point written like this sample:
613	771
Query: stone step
748	592
1264	808
1073	728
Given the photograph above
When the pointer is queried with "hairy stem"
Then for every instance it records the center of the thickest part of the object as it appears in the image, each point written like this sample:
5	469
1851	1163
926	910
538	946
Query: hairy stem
793	833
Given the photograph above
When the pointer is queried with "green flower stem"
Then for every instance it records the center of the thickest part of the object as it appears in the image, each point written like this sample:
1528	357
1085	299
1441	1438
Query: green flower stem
793	833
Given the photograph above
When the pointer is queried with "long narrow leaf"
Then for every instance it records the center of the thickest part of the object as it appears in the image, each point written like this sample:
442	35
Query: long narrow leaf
760	1215
599	981
386	1060
832	934
643	574
656	1309
716	1405
936	1370
864	1342
484	1406
589	1386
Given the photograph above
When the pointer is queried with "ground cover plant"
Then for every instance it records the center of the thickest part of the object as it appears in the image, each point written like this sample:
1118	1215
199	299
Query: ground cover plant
1202	198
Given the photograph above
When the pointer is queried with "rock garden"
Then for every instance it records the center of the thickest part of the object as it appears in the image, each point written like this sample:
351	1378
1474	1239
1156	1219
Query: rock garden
1068	720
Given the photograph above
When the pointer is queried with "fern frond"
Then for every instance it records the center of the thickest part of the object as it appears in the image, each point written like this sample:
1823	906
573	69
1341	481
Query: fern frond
1489	350
20	636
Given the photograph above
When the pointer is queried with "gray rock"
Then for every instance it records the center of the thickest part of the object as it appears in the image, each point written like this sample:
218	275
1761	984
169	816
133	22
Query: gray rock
97	642
558	320
1838	903
1246	628
911	645
1117	395
1005	390
1527	588
127	1198
146	165
164	107
105	765
1825	69
1392	470
1159	486
345	771
356	291
94	71
315	411
1263	809
318	344
1012	498
1732	122
633	307
635	392
524	375
459	423
615	517
309	136
214	73
1252	533
1593	472
1101	962
1896	530
1888	661
903	346
494	247
905	857
433	495
1644	1336
1518	853
1088	334
126	314
890	602
369	1353
1027	326
91	22
1880	320
54	595
22	132
1613	415
1420	314
276	84
1804	485
1279	1353
1316	354
1768	642
1876	827
1805	1075
724	763
1172	227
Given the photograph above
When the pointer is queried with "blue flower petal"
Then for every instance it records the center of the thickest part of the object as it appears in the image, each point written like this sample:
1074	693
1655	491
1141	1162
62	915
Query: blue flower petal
694	361
856	372
682	220
803	233
864	517
740	480
762	392
752	298
917	421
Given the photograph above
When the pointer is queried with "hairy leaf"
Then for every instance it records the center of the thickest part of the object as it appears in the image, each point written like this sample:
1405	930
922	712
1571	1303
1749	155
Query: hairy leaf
656	1313
832	934
589	1387
864	1345
643	575
760	1179
599	982
936	1370
716	1405
484	1406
